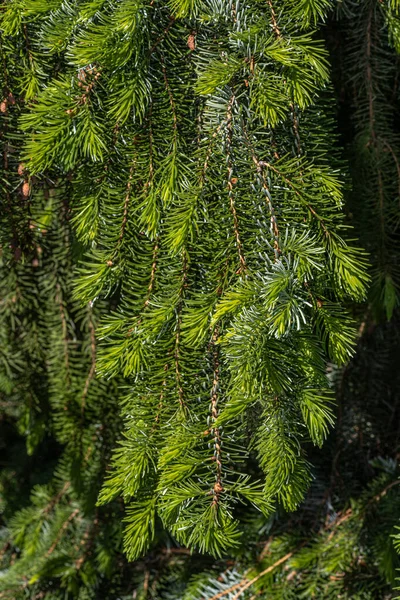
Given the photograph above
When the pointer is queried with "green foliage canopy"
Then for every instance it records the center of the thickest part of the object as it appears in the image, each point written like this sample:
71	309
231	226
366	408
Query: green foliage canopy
178	162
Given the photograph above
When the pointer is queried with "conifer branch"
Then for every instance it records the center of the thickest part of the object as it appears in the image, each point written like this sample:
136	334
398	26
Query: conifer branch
396	162
267	193
163	35
55	500
93	361
296	131
275	27
60	303
209	152
62	529
151	163
295	189
170	96
374	140
150	287
27	44
86	542
231	182
215	430
174	113
369	75
178	372
126	204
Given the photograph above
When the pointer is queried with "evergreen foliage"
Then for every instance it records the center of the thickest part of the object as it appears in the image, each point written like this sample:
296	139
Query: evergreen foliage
180	294
371	75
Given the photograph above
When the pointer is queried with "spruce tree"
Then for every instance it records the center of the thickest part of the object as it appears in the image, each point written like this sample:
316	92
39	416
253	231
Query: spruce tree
181	285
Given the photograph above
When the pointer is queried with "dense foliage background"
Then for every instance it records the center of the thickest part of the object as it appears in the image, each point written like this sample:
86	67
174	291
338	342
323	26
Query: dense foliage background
199	323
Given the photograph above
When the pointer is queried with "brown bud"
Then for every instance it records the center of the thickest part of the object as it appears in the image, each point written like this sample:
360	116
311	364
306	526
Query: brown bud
3	106
26	188
21	169
191	42
11	98
35	262
234	180
109	263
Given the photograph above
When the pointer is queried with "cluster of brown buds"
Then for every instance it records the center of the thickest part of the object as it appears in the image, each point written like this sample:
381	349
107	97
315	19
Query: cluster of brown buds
26	188
88	77
191	42
8	100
